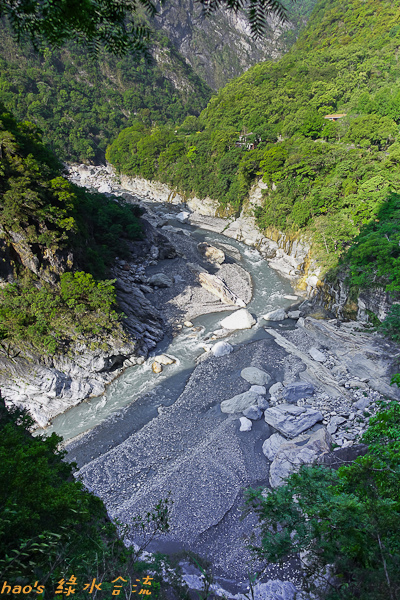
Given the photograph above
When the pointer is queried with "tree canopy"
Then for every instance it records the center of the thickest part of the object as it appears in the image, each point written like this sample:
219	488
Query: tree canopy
120	26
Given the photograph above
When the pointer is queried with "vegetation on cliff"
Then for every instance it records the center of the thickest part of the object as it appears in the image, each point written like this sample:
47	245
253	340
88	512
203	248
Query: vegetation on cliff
57	243
325	179
342	523
81	103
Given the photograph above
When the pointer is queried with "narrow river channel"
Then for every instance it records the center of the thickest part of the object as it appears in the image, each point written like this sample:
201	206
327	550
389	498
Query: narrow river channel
270	291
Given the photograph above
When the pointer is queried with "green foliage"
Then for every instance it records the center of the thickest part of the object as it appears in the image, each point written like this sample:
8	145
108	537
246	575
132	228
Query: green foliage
81	103
92	24
52	528
43	217
347	518
47	318
324	178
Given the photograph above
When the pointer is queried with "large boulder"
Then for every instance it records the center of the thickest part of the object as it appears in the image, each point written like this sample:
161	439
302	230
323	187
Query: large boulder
239	403
216	286
255	376
164	359
253	412
240	319
160	280
210	253
221	349
297	390
274	589
305	449
271	446
275	315
291	420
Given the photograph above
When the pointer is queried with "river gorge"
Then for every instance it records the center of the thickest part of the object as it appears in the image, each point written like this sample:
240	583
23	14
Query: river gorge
238	405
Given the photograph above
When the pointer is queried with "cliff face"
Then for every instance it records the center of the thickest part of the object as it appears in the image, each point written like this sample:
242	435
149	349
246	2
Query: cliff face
220	47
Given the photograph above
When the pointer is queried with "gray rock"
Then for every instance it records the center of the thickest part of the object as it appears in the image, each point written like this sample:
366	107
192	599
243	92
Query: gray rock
275	590
302	450
240	319
293	314
262	403
275	315
210	253
317	354
164	359
160	280
271	446
221	349
332	428
338	421
276	390
355	383
245	424
258	389
362	404
253	412
297	390
255	376
239	403
291	420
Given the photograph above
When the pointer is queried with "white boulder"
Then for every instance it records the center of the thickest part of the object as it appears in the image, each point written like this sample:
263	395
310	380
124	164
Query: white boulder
275	315
240	319
221	349
245	424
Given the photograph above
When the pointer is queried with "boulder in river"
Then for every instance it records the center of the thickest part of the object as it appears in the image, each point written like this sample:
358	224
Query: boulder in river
239	403
156	367
221	349
164	359
275	315
291	420
210	253
240	319
255	376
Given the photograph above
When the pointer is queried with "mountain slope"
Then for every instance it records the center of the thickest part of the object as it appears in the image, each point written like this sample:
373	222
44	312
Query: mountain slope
220	47
326	180
81	104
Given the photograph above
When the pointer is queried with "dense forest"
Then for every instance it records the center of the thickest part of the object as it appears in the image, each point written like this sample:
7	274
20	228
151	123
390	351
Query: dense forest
82	102
57	244
327	180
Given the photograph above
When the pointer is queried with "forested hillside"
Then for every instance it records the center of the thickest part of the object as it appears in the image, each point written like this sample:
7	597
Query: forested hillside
325	179
57	243
82	103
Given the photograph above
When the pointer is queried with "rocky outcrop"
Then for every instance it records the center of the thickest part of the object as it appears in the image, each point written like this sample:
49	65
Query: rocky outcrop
220	47
48	385
304	449
216	286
